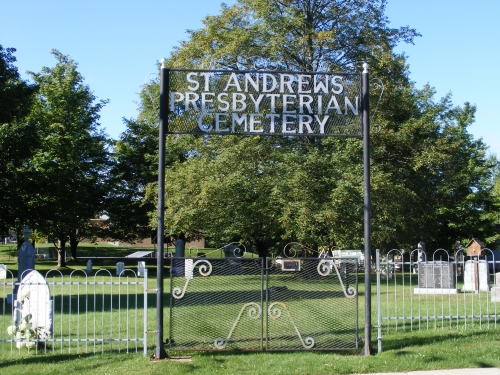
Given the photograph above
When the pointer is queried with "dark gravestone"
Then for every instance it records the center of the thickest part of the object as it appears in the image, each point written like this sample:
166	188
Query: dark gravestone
232	264
177	267
25	263
437	275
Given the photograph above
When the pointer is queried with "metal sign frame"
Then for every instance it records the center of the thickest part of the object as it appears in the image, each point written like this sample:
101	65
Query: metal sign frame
197	107
273	103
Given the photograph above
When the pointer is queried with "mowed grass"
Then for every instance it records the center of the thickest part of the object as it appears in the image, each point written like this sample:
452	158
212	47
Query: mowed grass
425	350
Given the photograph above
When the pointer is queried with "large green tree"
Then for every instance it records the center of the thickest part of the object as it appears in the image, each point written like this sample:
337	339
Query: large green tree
429	176
18	140
72	162
134	167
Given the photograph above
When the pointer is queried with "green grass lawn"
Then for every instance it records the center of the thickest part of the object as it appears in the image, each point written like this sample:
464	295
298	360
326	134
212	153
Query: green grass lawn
426	350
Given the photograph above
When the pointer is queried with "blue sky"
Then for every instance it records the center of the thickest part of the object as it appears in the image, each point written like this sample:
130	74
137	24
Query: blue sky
117	43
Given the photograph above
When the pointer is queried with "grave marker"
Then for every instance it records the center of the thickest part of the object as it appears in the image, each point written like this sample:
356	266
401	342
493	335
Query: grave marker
476	276
33	308
119	268
436	278
3	272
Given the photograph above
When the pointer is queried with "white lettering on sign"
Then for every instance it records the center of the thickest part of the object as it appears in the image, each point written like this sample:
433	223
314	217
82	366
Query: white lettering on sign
265	103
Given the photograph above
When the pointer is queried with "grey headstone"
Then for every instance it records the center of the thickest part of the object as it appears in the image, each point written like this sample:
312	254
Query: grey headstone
88	270
119	268
437	275
26	259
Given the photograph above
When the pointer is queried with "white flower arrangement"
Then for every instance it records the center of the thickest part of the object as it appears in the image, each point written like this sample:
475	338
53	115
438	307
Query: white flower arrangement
23	332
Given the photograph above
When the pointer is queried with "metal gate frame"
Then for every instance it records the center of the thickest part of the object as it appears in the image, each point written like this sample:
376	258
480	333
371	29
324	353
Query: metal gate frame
270	304
163	130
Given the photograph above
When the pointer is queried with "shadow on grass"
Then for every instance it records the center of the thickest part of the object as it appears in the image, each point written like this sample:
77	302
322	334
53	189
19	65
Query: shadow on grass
25	357
425	338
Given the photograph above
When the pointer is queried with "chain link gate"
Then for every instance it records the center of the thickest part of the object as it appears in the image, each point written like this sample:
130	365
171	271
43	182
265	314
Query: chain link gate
244	304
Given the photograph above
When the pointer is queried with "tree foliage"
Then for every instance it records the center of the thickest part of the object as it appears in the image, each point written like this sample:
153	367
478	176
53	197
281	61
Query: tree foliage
431	180
18	139
71	164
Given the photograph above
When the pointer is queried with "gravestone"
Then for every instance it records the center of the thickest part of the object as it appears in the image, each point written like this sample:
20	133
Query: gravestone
436	278
188	269
25	263
33	305
26	256
88	270
119	268
232	264
177	267
141	266
476	276
495	291
3	272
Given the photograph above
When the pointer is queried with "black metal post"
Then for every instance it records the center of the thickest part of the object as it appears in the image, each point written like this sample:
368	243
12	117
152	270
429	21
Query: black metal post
365	104
160	352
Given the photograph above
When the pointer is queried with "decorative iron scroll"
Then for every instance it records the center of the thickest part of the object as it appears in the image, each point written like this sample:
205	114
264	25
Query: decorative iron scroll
253	313
264	103
204	270
325	267
378	84
275	313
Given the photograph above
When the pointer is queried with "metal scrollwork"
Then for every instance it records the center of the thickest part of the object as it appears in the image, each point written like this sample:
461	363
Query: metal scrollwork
274	312
254	312
204	269
377	84
325	267
292	249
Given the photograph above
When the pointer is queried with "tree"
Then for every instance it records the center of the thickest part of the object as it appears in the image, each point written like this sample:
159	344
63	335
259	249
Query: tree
72	162
429	176
301	36
134	166
18	139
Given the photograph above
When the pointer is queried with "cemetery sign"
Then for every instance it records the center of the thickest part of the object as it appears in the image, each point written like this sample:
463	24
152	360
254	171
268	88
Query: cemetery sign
264	103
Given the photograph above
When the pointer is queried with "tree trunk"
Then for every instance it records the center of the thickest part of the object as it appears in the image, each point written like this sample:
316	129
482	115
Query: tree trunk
73	243
262	248
19	237
61	252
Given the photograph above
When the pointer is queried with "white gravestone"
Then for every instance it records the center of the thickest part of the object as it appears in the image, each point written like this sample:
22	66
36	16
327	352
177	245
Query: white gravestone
476	274
495	291
33	307
3	271
119	268
141	266
188	269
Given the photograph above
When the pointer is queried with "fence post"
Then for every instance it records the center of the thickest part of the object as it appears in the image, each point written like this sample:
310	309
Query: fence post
379	310
365	89
163	127
145	340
